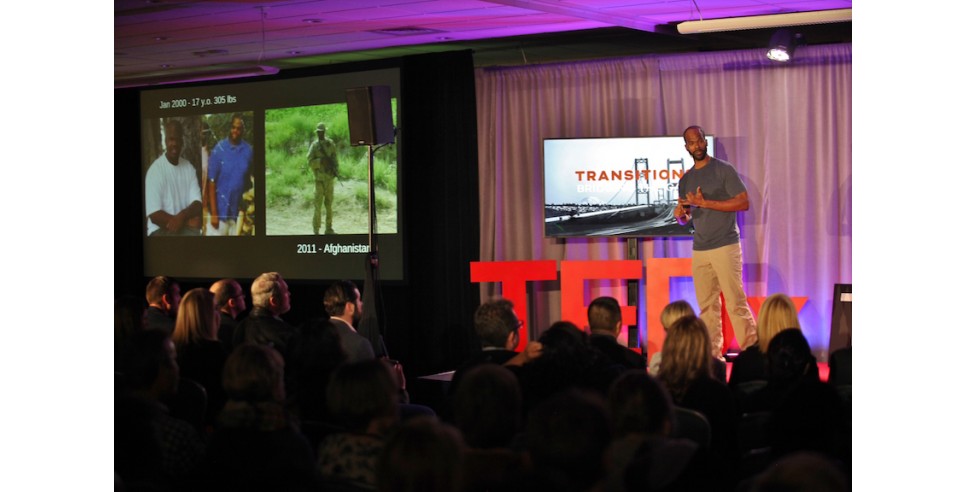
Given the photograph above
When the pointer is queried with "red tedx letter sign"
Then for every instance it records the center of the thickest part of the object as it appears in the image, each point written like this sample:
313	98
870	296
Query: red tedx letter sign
573	307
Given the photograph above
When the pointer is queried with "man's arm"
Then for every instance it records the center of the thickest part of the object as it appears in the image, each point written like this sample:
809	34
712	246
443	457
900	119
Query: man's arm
737	203
174	223
682	213
309	157
212	203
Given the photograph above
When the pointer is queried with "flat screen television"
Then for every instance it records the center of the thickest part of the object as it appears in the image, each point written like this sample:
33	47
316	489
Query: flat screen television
268	183
614	186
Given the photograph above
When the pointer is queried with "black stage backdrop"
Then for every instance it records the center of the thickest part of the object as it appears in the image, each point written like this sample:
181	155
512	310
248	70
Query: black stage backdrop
427	317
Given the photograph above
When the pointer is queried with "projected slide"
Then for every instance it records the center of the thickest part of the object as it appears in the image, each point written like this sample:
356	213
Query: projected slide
243	178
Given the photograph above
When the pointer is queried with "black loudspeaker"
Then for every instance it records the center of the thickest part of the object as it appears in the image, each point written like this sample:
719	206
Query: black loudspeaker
840	335
370	115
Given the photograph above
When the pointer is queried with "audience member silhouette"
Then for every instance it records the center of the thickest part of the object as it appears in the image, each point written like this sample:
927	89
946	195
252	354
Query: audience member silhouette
144	428
566	437
163	295
566	361
604	318
802	472
201	356
498	328
230	302
686	373
488	411
314	354
642	456
128	319
777	313
840	374
256	445
811	417
264	325
487	407
363	399
423	455
789	362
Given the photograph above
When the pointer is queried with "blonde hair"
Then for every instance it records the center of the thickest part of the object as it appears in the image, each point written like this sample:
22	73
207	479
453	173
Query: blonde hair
196	319
777	313
674	311
686	355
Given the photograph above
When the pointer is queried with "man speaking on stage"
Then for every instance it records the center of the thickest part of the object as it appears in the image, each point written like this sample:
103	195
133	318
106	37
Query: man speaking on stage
709	195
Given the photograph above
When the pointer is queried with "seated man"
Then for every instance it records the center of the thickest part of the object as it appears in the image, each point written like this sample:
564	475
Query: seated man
344	306
230	302
264	326
604	316
497	326
163	295
172	195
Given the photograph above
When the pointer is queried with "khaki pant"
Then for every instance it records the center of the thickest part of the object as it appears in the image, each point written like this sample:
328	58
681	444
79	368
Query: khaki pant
716	271
324	187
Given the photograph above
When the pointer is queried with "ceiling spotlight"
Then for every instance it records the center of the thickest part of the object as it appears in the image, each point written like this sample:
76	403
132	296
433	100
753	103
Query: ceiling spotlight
782	46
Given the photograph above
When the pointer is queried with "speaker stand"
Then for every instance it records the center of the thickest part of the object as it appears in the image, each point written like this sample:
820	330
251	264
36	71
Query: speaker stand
369	325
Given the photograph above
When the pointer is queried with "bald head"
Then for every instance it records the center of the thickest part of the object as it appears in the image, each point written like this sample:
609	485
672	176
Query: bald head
694	128
229	296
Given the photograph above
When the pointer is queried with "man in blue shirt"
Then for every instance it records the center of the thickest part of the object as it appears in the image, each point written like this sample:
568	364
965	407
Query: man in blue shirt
229	174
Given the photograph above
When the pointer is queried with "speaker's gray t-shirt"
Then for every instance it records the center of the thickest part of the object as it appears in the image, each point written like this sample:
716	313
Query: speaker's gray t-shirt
718	181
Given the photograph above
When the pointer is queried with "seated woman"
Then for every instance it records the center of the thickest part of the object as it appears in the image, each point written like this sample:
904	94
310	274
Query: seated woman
362	398
671	313
777	313
200	355
686	373
255	445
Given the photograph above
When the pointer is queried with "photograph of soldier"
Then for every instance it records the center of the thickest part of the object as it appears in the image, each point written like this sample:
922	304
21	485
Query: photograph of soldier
229	182
324	164
316	183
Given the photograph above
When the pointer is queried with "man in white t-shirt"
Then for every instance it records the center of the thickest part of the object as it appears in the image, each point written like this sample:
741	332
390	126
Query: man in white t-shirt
172	195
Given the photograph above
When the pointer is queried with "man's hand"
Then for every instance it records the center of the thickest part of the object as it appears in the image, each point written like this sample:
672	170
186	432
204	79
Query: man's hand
696	199
532	352
681	212
214	221
397	370
176	222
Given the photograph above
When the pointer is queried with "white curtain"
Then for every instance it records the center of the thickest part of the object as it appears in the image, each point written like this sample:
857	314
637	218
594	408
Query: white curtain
787	130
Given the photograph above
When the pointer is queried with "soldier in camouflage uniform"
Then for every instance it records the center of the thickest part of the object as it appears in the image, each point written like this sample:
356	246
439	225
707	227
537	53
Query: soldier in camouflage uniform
325	164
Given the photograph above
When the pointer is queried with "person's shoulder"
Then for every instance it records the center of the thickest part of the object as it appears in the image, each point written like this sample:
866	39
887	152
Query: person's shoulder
155	167
751	352
720	165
